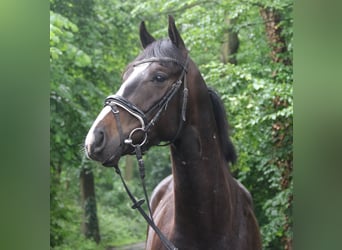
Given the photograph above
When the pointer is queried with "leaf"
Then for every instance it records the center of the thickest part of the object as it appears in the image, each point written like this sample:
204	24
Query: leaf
82	59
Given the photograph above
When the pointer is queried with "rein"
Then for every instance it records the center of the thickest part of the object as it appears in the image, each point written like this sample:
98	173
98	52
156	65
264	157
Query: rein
115	100
137	204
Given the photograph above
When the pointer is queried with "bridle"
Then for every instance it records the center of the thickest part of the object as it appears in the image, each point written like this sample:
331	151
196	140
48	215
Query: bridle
116	100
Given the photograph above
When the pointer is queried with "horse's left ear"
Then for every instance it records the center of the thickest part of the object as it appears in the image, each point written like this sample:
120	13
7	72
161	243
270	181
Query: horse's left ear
174	34
145	37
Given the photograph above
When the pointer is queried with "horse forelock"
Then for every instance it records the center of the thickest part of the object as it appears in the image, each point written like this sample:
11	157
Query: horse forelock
162	48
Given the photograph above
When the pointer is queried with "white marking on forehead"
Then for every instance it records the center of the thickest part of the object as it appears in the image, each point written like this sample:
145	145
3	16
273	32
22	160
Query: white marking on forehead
90	136
137	70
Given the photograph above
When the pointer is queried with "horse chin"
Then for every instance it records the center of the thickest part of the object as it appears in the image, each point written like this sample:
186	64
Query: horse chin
112	161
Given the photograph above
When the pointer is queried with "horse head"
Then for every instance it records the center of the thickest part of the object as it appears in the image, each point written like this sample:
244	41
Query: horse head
149	107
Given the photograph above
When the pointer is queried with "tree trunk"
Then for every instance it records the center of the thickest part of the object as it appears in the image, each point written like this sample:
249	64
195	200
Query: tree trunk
230	44
272	19
281	129
90	225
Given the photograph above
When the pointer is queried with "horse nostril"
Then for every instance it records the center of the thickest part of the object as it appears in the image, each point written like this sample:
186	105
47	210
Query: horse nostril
100	140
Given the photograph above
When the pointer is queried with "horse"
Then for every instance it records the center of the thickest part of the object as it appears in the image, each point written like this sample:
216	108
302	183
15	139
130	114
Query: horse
164	99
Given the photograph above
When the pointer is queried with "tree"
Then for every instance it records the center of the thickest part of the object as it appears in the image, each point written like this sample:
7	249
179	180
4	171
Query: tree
281	128
85	62
90	225
230	46
66	113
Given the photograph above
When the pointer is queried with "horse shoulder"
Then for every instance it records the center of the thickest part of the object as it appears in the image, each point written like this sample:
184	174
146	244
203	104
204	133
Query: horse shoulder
159	199
160	191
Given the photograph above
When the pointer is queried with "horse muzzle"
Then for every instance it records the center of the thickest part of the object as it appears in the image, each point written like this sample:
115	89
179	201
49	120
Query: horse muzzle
100	147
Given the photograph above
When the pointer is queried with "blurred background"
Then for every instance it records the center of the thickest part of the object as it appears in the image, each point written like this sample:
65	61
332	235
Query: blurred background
26	86
244	51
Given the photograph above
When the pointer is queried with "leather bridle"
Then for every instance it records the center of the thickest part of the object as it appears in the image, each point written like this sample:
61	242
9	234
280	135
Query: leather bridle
116	100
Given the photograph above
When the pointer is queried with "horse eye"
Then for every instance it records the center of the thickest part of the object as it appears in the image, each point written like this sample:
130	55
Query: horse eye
159	78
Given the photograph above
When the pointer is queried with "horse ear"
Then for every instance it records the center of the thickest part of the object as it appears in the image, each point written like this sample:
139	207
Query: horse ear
145	37
174	34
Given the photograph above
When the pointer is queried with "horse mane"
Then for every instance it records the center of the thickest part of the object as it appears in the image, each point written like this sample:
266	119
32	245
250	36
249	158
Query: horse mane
159	48
227	146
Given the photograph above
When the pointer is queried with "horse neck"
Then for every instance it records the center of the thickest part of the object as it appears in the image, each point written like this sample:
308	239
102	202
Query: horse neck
202	182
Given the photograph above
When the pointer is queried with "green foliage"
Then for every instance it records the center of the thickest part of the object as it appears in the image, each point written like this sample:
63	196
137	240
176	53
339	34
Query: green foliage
90	44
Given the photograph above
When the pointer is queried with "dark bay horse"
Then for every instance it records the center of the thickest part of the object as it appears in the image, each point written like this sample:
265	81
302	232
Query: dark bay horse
163	98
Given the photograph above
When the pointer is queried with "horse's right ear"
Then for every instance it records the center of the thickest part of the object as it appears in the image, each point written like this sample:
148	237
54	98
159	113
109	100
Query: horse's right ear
174	34
145	37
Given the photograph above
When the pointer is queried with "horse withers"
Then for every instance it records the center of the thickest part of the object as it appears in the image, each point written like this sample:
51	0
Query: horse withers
164	99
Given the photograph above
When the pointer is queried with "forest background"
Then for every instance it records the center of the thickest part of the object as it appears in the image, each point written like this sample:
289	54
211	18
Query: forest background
244	51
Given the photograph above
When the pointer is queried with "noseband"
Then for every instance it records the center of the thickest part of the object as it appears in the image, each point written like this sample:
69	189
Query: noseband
117	100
